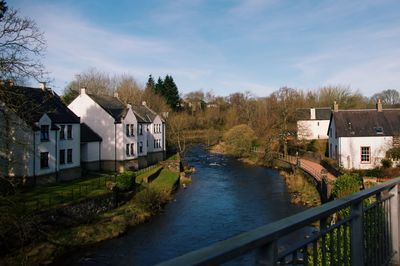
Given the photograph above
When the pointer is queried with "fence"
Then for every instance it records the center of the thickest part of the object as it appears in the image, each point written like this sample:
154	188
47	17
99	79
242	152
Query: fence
367	234
76	192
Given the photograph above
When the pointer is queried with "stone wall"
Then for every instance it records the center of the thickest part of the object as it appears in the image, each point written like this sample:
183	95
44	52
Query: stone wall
81	212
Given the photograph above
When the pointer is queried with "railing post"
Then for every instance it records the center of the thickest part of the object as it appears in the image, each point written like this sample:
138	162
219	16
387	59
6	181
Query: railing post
356	232
394	224
267	254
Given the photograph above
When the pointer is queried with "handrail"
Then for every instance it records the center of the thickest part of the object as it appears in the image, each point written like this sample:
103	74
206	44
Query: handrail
263	236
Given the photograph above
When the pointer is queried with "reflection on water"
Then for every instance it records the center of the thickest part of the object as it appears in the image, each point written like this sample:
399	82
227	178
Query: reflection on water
225	198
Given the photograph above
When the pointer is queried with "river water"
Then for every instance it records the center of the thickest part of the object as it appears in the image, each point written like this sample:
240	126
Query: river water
225	198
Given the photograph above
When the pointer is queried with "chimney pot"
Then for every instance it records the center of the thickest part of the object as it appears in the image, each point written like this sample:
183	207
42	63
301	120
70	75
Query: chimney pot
379	105
335	107
10	82
116	95
42	85
83	90
129	106
144	103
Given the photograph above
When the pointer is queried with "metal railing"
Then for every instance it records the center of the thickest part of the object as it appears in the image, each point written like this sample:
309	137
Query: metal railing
360	229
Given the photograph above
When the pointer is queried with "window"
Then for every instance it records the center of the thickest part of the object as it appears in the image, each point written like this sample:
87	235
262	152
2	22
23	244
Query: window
154	144
44	132
132	150
62	156
317	123
127	150
69	156
132	130
379	130
140	129
140	147
365	154
62	131
69	131
127	130
44	160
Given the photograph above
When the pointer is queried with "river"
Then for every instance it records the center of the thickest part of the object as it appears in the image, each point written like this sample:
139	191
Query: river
225	198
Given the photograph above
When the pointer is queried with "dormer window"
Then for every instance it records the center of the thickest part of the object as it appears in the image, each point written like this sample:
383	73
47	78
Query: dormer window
132	130
44	132
379	130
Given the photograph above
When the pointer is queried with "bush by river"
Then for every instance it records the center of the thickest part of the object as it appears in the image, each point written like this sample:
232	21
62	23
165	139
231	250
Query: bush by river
302	190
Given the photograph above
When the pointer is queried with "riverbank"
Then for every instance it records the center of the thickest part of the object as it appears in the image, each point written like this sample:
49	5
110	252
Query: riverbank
54	243
302	191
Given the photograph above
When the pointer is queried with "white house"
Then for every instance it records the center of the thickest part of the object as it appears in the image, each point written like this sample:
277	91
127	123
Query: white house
312	123
359	139
40	136
90	149
122	128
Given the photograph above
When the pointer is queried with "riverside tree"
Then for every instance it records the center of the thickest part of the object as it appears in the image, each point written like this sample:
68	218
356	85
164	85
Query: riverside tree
239	140
22	46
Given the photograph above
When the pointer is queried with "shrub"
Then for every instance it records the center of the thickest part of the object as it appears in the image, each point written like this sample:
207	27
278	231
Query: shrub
126	181
239	140
152	199
393	153
386	163
346	184
311	146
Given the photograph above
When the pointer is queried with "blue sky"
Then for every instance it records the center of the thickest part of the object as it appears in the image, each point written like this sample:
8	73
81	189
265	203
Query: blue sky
225	46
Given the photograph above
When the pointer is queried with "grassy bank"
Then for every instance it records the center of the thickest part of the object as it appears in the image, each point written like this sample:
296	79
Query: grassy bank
111	224
302	190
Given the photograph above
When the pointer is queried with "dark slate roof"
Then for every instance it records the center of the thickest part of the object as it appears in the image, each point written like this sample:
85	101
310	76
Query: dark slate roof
323	113
88	135
366	123
30	104
111	105
144	113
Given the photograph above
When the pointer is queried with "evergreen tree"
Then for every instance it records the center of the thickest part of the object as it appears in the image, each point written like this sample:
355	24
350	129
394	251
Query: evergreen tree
159	87
150	85
171	93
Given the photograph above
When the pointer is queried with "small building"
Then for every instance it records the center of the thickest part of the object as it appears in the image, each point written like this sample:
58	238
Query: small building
127	132
39	136
359	139
312	123
90	149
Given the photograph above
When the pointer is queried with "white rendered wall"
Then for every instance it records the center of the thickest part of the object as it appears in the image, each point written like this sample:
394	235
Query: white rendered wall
90	152
98	120
46	146
74	144
129	119
19	139
312	129
350	151
142	138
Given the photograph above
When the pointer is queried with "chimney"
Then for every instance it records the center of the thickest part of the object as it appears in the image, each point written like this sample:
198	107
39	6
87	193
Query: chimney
10	82
335	107
379	105
42	85
129	106
144	103
83	90
116	95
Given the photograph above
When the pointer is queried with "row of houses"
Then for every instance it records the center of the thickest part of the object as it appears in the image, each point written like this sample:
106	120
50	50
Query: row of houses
357	139
42	140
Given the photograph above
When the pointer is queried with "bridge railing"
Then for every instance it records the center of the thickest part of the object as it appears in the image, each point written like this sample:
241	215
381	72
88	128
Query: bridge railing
360	229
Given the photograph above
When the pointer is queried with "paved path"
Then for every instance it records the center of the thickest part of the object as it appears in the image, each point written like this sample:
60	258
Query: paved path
315	169
310	167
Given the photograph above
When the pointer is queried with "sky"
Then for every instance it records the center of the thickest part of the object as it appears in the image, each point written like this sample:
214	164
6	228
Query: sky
224	46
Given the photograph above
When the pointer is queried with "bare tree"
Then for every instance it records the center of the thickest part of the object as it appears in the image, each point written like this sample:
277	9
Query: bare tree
22	46
389	97
129	91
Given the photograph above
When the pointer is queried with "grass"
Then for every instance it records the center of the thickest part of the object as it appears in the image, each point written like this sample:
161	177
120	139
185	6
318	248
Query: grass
105	226
54	195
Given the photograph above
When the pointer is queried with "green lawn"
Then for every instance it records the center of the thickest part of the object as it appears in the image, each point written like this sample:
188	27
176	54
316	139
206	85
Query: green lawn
54	195
166	180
